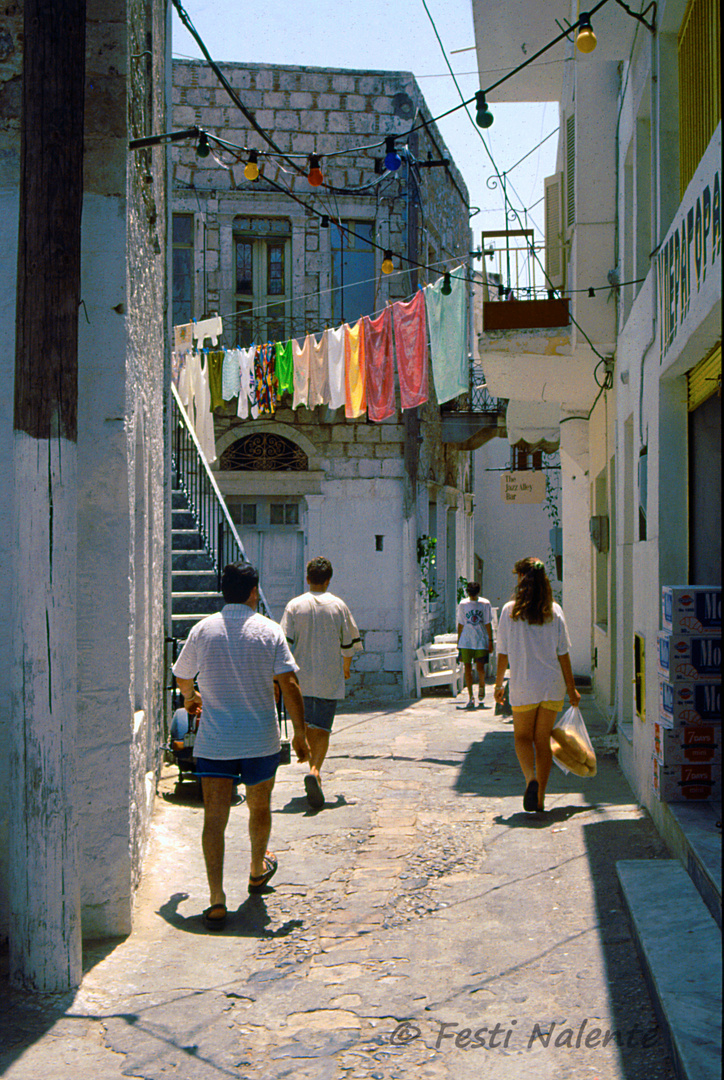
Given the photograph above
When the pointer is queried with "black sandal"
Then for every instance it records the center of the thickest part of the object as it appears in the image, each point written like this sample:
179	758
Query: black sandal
215	922
257	884
530	799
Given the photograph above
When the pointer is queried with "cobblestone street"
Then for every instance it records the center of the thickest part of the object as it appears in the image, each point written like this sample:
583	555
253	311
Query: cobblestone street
420	925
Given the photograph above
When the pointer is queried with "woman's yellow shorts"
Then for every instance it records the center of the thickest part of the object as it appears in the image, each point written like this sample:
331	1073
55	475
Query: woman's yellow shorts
551	706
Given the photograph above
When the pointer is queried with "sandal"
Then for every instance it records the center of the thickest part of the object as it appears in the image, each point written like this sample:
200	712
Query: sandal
257	884
215	922
315	795
530	799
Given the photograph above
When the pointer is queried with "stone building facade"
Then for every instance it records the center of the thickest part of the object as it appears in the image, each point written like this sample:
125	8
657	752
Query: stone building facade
367	495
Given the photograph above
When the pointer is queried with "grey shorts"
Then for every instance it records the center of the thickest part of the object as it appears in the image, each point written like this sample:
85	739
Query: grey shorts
319	712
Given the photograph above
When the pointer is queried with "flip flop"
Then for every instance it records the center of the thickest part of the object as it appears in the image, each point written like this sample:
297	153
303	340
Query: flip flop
257	884
315	795
215	922
530	799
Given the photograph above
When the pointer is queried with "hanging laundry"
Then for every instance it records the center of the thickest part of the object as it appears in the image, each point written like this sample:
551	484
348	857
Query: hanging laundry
183	339
446	316
214	363
285	366
380	366
411	346
185	392
355	374
230	375
301	354
247	381
335	367
200	414
266	384
208	328
318	384
178	362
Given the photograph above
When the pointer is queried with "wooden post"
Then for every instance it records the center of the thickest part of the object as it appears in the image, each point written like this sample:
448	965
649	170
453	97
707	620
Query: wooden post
45	934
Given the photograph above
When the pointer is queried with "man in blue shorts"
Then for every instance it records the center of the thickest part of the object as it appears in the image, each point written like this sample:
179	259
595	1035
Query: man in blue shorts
320	628
234	656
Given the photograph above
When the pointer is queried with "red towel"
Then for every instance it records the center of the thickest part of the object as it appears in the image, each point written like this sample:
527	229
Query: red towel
380	366
411	346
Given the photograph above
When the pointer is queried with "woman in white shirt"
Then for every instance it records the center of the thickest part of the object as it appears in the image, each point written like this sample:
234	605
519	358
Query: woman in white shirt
533	642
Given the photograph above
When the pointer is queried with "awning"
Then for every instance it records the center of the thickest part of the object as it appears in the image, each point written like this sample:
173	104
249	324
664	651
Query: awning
534	425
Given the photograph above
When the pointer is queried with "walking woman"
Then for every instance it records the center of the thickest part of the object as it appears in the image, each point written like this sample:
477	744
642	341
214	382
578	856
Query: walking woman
533	642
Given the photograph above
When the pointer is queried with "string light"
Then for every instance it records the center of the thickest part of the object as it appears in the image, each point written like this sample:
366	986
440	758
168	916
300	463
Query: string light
324	223
392	158
387	264
585	39
251	169
591	291
314	176
446	284
484	117
202	147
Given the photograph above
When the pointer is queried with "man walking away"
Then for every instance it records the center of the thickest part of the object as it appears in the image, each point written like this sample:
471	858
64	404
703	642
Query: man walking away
320	629
234	656
475	638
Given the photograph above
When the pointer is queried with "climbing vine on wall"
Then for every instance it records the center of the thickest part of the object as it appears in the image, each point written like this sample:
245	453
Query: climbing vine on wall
426	558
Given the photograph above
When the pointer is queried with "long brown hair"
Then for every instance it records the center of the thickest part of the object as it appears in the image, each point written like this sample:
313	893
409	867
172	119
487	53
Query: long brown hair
533	599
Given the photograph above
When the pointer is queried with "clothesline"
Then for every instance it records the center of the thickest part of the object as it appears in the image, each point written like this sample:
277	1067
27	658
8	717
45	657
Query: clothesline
350	366
337	288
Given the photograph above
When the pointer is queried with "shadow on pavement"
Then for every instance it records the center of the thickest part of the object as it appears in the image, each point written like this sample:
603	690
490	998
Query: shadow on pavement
299	805
251	919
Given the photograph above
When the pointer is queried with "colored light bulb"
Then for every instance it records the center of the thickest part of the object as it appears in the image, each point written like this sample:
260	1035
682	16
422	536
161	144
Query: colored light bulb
446	285
202	147
484	117
392	158
585	39
251	169
314	176
387	264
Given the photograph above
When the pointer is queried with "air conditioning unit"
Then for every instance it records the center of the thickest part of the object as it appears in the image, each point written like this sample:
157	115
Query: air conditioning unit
598	528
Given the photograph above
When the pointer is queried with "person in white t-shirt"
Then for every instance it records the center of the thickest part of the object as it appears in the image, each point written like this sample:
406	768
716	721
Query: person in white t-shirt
533	642
475	638
235	656
320	629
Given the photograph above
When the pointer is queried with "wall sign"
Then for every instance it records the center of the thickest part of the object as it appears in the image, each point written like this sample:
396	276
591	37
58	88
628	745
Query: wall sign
523	487
688	261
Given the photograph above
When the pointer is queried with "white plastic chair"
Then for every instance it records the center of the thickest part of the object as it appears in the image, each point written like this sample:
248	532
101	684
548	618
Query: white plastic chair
440	669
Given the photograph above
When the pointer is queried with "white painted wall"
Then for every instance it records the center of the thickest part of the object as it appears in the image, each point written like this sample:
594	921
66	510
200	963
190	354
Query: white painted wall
505	532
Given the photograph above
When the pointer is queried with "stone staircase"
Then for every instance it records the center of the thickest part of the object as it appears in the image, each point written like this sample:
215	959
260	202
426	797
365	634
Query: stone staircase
193	578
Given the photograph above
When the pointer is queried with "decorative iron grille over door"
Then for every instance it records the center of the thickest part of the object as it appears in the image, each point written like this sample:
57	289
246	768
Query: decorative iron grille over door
264	451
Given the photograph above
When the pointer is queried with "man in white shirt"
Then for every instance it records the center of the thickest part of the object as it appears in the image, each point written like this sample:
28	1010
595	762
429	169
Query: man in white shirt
320	629
475	638
235	655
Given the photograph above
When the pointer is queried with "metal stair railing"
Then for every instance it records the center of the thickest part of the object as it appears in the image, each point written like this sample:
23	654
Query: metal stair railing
206	503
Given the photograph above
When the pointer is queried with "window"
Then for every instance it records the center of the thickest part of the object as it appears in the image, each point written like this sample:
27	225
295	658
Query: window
262	283
183	268
284	513
353	270
640	675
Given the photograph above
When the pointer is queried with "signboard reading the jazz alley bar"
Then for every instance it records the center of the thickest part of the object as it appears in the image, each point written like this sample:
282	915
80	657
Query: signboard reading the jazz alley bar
523	487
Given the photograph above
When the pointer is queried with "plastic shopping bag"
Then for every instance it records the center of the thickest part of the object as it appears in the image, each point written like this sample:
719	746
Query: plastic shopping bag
570	745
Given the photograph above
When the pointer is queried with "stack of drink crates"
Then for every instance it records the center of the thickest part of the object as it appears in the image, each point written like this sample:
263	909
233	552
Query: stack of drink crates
687	731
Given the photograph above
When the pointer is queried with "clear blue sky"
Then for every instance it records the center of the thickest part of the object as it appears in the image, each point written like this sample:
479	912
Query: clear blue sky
391	35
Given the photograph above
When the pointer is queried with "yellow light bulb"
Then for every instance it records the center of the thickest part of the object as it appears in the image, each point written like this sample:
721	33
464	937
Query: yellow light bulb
251	169
387	264
586	39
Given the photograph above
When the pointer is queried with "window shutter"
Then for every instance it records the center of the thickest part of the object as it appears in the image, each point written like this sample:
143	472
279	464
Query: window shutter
704	380
554	229
570	171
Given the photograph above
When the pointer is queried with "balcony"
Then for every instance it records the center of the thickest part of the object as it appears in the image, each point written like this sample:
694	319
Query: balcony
474	418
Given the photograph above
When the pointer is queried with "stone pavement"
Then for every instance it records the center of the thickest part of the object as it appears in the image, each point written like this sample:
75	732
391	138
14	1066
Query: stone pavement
420	925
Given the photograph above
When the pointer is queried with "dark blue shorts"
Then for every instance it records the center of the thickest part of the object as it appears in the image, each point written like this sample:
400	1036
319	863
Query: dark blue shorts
319	712
247	771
